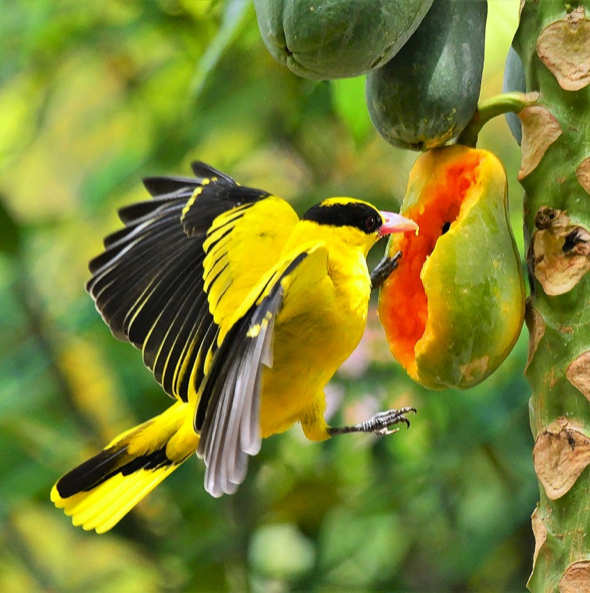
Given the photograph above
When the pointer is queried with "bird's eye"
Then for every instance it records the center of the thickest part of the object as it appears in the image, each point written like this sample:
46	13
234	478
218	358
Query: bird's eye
371	223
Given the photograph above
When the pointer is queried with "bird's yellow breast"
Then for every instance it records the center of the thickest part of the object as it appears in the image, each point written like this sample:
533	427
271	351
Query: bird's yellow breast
319	326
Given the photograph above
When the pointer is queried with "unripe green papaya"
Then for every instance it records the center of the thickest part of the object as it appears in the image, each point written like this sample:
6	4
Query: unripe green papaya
454	307
514	81
326	39
428	92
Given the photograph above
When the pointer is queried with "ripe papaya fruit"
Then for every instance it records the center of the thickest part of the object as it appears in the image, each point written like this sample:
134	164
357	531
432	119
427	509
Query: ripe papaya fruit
514	81
326	39
426	94
454	308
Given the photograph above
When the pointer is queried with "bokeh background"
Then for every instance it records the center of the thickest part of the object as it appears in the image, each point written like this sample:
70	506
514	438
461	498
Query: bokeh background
93	96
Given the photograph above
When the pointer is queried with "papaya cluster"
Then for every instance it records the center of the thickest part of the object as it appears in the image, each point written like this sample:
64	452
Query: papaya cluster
423	58
454	308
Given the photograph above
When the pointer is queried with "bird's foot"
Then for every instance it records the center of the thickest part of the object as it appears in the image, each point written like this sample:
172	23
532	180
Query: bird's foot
378	424
383	269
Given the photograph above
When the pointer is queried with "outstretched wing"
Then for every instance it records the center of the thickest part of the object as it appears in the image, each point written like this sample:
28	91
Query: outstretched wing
150	284
227	416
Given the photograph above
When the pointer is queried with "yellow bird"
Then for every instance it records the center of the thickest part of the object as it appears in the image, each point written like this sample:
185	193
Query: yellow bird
243	312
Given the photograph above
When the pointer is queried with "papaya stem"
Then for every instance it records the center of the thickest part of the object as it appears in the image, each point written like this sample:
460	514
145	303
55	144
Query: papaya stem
492	107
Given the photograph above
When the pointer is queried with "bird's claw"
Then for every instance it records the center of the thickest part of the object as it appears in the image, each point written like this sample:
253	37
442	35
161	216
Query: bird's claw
383	270
379	424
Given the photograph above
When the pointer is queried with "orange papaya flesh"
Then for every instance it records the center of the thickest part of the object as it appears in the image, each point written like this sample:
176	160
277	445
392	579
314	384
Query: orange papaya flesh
454	307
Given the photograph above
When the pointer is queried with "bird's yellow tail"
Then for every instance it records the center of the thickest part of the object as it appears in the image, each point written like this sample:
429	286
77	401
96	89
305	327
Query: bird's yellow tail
101	491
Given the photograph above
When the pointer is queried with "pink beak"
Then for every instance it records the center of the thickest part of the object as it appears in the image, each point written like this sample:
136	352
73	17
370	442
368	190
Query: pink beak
395	223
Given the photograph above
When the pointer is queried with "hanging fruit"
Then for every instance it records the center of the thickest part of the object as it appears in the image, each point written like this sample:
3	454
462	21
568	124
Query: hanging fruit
514	80
454	308
428	92
326	39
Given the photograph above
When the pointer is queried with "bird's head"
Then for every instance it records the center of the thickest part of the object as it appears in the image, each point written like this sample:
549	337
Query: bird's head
357	223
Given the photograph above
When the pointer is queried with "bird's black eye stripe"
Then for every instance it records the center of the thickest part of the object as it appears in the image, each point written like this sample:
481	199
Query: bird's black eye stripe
354	214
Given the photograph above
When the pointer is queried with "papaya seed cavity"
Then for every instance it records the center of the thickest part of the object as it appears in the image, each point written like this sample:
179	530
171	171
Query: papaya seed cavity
438	209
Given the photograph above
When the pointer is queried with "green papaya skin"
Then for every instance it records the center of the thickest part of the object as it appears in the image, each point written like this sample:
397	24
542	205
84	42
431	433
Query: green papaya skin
328	39
484	234
514	81
426	95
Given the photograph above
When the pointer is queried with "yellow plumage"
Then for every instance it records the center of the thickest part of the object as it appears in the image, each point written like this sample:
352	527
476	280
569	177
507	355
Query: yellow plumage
106	504
243	313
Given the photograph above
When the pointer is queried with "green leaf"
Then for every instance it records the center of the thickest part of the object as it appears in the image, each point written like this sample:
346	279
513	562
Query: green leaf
235	14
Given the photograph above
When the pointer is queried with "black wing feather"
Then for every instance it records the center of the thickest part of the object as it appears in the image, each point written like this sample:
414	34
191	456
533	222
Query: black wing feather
148	283
140	212
163	185
204	171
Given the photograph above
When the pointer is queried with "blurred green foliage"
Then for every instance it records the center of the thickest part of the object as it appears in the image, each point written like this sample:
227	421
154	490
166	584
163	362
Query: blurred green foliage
95	95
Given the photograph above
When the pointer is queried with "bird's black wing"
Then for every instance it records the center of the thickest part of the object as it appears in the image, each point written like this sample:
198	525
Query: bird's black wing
148	283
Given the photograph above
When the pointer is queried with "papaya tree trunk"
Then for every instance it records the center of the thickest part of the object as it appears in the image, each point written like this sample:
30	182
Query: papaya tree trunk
553	41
